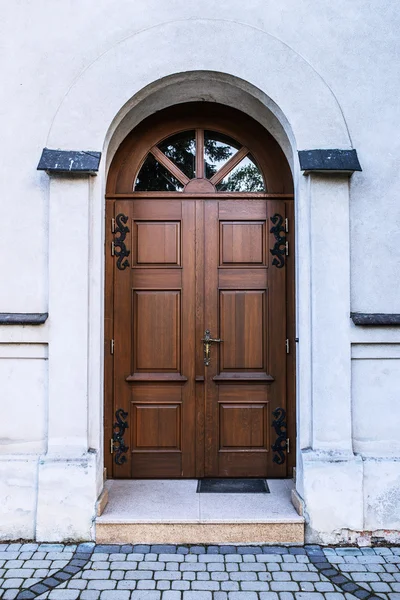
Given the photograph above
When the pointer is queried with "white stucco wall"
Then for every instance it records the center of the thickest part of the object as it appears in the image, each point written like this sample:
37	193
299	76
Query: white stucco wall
318	75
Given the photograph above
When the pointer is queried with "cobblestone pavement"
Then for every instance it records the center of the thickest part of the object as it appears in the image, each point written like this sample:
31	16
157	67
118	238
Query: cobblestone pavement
89	572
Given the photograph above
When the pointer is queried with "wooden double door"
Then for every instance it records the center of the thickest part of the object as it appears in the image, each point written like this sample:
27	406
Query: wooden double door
190	269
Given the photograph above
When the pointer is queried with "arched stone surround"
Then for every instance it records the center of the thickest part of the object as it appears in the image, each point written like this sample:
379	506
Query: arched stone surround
277	87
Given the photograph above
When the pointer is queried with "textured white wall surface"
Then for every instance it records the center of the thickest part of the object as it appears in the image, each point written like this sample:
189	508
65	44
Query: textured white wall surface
79	76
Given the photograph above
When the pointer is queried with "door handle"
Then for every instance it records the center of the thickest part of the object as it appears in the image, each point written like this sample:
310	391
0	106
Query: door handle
207	341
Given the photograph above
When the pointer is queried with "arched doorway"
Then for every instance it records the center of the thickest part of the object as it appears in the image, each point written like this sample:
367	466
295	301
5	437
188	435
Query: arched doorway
199	379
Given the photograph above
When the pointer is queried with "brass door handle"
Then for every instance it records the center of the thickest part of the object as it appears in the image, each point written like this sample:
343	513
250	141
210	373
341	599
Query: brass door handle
208	340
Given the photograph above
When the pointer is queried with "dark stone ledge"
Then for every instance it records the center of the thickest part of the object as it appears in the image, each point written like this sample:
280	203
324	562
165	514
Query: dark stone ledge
23	318
376	319
329	161
69	161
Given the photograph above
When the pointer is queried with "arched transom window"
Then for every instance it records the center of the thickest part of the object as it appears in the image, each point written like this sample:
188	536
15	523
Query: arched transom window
199	159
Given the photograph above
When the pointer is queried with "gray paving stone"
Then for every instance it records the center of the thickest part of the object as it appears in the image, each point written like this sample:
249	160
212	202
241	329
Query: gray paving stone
305	576
16	573
148	584
135	556
64	594
242	596
231	566
189	575
211	586
163	585
268	596
99	574
365	576
10	594
172	595
192	567
115	595
281	576
78	584
172	566
293	567
130	584
180	585
13	564
29	547
212	567
220	596
252	567
230	586
310	596
269	558
306	586
191	558
207	558
284	586
197	595
12	583
203	576
90	595
101	584
176	558
139	575
168	575
197	550
146	595
324	586
151	556
219	576
244	576
152	565
255	586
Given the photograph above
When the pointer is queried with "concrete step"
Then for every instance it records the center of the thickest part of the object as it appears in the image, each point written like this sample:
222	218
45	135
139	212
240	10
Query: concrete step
171	512
200	533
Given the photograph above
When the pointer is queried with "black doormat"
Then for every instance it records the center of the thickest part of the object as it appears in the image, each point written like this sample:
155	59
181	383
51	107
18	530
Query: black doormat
232	486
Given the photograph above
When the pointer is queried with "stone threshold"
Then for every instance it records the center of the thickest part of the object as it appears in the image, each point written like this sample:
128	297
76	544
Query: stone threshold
171	512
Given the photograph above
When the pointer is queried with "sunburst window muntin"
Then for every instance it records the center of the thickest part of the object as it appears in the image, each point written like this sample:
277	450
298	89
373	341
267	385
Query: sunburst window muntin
199	154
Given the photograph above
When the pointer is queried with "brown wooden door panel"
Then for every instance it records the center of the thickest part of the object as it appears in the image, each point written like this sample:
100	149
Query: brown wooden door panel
154	345
197	256
197	265
246	378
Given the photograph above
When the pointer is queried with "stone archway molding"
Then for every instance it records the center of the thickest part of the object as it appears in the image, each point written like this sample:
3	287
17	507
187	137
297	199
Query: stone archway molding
107	84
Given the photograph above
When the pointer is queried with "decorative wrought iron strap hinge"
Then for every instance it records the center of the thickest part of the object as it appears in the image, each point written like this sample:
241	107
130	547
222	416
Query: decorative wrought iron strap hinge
117	446
118	247
281	443
281	246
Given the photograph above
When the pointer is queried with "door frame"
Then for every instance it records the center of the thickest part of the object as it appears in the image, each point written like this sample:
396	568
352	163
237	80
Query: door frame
136	147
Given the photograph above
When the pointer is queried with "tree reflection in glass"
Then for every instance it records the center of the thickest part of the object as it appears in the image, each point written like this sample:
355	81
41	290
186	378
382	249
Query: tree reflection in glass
218	149
154	177
181	149
245	177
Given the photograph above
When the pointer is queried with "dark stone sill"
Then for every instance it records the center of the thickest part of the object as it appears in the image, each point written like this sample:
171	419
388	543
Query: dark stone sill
23	318
376	319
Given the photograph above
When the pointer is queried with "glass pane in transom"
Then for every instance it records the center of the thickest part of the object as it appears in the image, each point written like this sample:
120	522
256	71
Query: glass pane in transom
218	149
154	177
245	177
181	149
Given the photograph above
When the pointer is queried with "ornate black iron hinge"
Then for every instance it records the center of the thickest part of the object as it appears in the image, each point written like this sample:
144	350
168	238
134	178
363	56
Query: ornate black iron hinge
281	246
118	247
281	443
118	447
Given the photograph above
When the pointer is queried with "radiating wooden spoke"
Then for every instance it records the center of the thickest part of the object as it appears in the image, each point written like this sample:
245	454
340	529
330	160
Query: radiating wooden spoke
168	164
231	164
199	153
